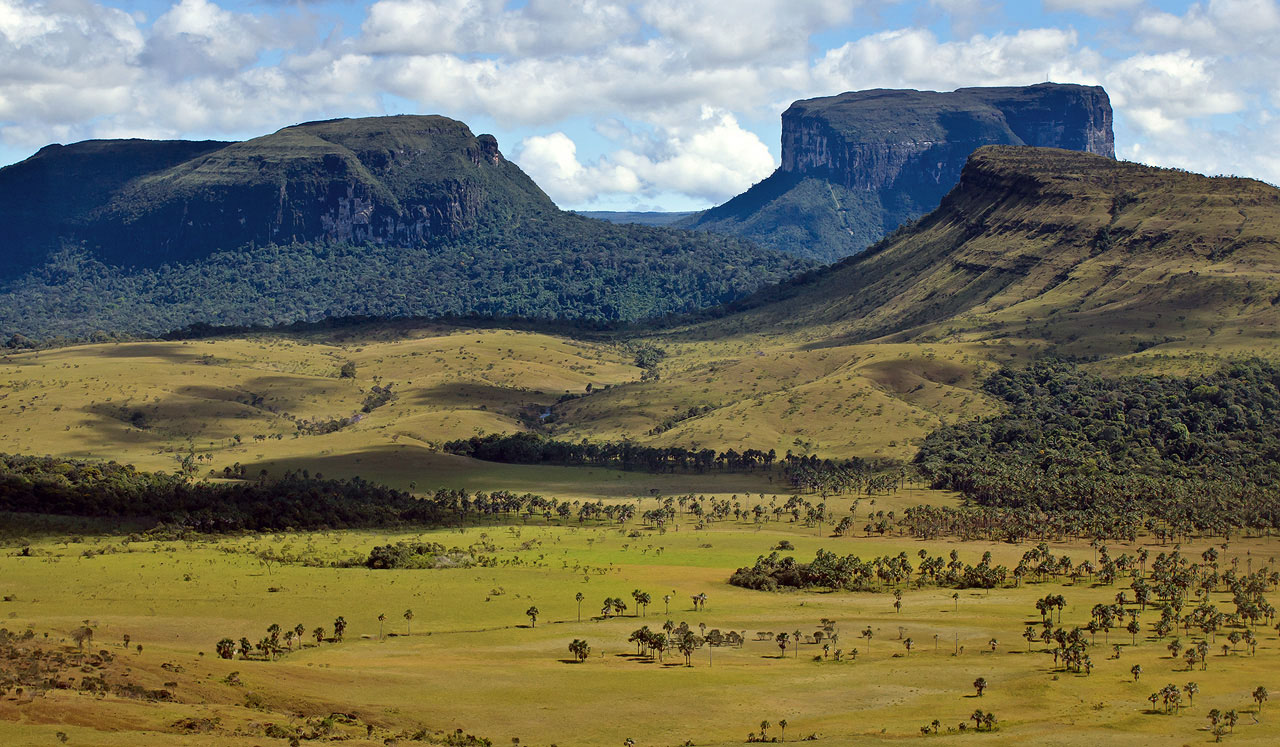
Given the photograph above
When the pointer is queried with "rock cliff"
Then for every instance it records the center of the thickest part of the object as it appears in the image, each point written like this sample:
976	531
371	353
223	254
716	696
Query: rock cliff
857	165
405	180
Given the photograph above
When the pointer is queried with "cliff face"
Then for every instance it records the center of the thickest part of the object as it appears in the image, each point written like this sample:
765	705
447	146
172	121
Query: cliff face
1079	252
406	180
886	157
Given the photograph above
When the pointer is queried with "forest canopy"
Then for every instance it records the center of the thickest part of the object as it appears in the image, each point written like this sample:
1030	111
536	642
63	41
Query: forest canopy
1195	450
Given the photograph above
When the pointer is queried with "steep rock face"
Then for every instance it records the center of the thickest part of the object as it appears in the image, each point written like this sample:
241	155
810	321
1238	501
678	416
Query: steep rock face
50	194
407	180
887	157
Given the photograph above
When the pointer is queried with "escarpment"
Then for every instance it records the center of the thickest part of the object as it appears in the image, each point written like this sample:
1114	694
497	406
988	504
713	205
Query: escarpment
857	165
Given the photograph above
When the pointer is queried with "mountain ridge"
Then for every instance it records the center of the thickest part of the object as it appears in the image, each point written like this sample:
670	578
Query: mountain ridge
389	216
858	164
1078	251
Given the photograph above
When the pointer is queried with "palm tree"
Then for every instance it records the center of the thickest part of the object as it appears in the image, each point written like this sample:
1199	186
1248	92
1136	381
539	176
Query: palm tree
319	635
666	604
579	649
578	598
1191	689
339	628
764	727
226	648
408	622
382	618
782	639
908	644
782	724
1260	695
532	612
980	684
1136	671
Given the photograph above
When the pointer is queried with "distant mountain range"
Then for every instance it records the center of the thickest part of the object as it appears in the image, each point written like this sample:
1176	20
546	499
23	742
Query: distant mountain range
385	216
650	218
857	165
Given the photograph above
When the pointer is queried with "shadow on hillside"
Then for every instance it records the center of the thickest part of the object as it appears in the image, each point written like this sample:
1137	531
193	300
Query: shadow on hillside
175	352
468	395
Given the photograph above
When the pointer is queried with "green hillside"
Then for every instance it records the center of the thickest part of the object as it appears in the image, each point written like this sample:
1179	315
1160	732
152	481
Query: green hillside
1062	249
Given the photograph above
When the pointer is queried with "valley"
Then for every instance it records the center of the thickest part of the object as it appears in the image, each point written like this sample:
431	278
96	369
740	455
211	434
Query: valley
921	488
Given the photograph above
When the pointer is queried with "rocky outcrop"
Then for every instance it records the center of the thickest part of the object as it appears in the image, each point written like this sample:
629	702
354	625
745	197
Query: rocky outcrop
884	157
404	180
871	140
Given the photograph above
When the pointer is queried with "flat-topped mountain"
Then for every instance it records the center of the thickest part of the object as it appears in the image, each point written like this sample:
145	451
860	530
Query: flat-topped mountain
1076	251
857	165
405	180
383	216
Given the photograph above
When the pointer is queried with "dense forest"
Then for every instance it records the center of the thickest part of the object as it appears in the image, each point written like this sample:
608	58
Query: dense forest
1199	452
557	267
47	485
533	448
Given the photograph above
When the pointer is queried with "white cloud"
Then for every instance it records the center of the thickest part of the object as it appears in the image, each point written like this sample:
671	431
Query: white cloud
540	27
1221	26
644	72
710	161
1160	92
552	161
715	31
198	36
915	58
1091	7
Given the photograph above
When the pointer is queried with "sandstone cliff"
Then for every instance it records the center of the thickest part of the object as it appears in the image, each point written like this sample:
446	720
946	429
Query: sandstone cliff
405	180
857	165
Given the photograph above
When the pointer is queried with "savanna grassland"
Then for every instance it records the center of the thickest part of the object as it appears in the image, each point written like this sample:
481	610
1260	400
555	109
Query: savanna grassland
927	345
469	659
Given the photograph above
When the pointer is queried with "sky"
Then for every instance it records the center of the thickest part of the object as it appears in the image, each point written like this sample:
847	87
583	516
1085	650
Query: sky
612	105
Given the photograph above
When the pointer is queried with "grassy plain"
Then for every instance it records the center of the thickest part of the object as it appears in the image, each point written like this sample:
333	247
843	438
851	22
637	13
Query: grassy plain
472	661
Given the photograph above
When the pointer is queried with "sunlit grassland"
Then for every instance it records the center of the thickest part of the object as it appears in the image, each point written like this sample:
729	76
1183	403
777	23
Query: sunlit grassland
473	662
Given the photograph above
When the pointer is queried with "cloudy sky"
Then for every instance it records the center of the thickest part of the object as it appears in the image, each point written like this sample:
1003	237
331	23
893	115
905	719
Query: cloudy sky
655	104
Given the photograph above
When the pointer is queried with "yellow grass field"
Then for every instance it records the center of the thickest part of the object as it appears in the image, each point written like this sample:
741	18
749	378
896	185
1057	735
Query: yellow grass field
473	663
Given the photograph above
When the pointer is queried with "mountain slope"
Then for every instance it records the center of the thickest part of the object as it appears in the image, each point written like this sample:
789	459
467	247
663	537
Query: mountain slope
387	216
857	165
1071	249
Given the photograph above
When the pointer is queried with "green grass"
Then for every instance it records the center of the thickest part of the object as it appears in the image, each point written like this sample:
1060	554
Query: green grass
473	663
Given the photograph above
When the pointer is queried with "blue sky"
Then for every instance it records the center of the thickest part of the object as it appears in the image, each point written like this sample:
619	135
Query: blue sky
658	104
